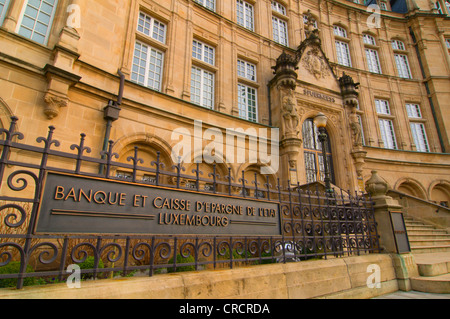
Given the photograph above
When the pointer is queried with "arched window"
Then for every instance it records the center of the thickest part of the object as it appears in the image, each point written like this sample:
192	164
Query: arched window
314	166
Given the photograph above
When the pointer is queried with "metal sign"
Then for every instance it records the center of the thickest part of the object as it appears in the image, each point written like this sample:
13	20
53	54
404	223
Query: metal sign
79	204
400	234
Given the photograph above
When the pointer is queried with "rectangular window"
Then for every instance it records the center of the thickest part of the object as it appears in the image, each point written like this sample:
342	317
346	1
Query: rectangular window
387	133
401	61
151	27
247	102
413	111
202	87
36	20
203	52
3	7
368	39
343	53
147	66
277	7
419	136
341	32
373	62
279	31
245	14
246	70
382	107
210	4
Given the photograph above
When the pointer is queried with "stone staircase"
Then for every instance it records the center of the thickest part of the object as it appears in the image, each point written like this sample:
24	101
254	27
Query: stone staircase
431	249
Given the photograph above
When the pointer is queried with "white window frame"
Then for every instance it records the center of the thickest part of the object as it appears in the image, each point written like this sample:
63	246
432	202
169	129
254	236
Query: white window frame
3	9
339	31
151	27
247	111
398	45
438	7
25	16
382	107
387	133
419	136
343	53
368	39
401	60
209	4
149	68
279	8
280	31
245	14
413	111
202	87
203	52
373	61
246	70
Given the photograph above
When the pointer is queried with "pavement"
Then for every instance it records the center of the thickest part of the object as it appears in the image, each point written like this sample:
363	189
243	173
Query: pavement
413	295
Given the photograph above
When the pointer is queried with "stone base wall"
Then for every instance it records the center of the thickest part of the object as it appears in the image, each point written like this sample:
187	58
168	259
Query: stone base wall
333	278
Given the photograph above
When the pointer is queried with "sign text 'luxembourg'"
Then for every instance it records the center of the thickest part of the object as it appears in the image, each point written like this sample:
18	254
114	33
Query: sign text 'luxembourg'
75	204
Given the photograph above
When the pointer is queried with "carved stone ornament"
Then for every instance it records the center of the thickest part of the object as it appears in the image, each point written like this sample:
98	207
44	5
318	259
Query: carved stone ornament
52	104
376	186
315	64
290	118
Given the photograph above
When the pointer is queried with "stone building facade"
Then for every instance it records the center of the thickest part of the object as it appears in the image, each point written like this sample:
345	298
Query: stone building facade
379	72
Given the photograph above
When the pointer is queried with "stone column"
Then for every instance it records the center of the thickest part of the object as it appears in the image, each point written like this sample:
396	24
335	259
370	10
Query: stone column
404	264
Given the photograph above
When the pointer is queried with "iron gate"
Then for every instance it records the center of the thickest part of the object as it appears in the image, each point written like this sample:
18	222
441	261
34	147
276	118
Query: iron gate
312	225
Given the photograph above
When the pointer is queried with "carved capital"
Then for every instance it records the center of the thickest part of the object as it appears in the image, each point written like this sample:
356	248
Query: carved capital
52	104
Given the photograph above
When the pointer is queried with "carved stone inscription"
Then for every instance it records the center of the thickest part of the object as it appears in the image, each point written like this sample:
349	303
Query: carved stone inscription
75	204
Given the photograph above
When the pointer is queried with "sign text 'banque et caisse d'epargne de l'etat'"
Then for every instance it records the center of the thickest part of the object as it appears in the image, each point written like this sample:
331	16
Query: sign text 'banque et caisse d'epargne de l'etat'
79	204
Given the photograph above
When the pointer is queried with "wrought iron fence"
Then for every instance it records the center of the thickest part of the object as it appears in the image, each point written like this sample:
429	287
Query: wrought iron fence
313	225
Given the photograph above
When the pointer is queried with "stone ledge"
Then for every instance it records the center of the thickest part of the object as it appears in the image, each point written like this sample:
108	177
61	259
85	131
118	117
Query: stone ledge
333	278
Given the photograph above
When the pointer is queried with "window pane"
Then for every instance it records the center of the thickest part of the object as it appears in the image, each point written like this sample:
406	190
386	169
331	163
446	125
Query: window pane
37	20
420	137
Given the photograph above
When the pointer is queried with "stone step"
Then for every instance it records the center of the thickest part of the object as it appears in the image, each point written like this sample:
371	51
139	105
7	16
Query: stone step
428	242
426	231
430	249
428	236
434	264
436	284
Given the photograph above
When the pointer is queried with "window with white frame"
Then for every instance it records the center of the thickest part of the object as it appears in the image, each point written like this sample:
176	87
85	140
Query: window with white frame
36	19
419	136
202	87
279	26
386	125
387	133
417	128
3	7
246	70
247	102
151	27
209	4
382	107
401	59
373	62
245	15
368	39
398	45
202	80
342	48
147	66
277	7
203	52
438	7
